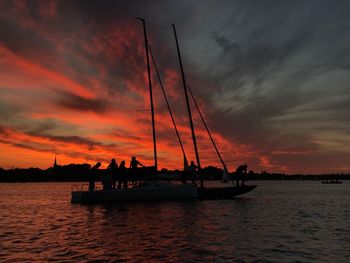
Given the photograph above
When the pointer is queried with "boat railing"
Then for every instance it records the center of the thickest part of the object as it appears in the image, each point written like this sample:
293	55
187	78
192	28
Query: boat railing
77	188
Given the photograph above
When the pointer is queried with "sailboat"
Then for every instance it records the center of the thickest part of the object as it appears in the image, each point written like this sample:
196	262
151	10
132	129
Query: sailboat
148	190
332	182
162	190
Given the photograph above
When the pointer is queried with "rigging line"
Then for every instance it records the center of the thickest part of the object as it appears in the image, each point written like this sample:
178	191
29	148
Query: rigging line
167	102
98	126
206	127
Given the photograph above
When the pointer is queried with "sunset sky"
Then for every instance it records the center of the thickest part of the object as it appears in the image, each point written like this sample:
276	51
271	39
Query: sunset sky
271	78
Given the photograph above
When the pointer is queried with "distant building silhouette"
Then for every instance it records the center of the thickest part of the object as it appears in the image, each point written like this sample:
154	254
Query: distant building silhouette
55	163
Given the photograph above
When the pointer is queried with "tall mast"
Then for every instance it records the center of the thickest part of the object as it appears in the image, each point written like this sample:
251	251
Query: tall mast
150	94
187	103
167	103
206	127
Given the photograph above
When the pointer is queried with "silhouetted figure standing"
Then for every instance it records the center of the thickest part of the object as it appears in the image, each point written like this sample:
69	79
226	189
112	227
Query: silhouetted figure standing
185	172
241	172
192	172
123	175
112	169
184	176
92	174
133	165
107	180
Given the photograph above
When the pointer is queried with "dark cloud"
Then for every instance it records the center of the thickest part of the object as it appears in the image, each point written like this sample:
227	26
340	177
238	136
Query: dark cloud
29	146
78	103
78	140
24	42
225	44
73	139
8	110
3	130
125	135
44	126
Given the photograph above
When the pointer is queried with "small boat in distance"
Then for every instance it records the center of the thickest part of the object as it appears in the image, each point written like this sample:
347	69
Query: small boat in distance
332	181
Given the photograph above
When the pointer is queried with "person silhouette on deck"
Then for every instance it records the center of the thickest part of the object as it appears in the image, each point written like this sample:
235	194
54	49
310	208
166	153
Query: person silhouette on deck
92	175
192	172
185	172
133	165
122	174
107	180
241	172
113	170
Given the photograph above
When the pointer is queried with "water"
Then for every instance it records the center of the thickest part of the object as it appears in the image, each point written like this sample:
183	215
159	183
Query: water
278	222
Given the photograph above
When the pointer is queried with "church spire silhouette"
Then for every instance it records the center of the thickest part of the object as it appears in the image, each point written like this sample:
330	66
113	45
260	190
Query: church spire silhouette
55	162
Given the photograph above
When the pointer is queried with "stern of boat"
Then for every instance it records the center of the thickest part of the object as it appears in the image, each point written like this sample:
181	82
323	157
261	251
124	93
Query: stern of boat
77	193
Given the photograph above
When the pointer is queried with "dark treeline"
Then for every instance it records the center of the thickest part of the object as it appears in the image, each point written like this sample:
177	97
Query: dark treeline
79	173
61	173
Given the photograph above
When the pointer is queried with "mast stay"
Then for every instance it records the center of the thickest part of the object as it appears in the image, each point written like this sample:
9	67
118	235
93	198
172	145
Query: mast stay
167	103
206	127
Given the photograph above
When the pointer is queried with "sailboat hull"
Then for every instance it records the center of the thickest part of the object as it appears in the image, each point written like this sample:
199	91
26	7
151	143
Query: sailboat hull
223	192
158	192
147	193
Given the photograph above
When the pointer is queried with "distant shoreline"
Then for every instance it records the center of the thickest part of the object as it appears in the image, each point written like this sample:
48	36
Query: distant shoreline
79	173
247	181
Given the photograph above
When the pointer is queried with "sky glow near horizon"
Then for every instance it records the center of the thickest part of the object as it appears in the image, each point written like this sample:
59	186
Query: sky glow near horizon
271	78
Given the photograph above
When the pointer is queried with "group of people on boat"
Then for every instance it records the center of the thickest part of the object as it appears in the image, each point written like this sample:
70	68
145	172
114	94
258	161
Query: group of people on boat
189	173
115	176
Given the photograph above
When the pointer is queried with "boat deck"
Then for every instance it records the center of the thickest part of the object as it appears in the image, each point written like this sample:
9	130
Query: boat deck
159	191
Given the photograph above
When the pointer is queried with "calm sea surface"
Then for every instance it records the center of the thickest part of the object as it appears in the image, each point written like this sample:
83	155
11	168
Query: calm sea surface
284	221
